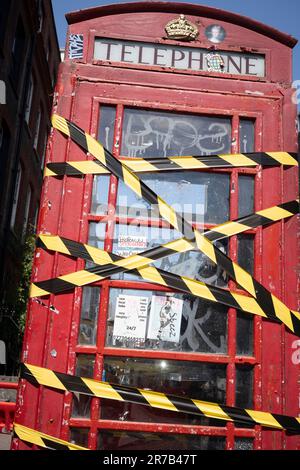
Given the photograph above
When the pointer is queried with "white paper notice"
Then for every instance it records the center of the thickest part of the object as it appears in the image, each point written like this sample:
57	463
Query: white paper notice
130	317
165	318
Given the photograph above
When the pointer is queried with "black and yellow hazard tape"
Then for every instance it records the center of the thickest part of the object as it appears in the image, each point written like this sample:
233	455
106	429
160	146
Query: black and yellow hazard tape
65	382
140	165
259	218
269	303
148	273
43	440
115	264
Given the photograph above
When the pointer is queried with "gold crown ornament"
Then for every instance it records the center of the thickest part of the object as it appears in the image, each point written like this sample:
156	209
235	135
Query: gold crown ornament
181	29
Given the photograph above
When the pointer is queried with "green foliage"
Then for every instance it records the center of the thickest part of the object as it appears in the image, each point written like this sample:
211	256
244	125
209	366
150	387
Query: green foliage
13	310
24	283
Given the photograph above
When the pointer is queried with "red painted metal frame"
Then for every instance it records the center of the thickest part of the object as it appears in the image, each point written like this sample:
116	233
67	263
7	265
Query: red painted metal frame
7	416
9	385
81	89
7	409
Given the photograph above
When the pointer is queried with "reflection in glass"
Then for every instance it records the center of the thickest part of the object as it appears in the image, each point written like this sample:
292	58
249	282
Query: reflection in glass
107	125
244	386
163	134
96	238
134	239
97	235
200	197
246	195
244	327
191	379
246	252
81	403
89	315
100	194
246	135
172	322
136	440
243	443
79	436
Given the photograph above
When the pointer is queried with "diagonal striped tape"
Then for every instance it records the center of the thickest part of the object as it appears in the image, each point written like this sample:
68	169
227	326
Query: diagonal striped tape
140	165
142	259
268	302
113	264
42	376
43	440
152	274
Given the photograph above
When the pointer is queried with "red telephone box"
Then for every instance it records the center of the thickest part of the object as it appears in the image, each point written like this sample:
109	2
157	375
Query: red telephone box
211	82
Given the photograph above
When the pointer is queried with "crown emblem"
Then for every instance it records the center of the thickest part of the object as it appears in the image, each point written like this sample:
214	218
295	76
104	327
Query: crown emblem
181	29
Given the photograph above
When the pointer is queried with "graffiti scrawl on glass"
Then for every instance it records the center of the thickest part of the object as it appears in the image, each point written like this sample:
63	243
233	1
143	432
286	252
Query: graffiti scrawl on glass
148	134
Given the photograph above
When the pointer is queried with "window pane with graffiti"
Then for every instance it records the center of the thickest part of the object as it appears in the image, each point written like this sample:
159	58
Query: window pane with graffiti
144	319
247	135
107	125
197	380
165	134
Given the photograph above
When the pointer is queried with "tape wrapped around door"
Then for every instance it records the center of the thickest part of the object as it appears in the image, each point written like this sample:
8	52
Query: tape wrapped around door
140	165
94	388
271	306
114	264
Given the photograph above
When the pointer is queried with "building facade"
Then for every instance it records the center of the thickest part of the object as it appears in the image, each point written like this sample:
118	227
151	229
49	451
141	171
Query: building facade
150	83
29	59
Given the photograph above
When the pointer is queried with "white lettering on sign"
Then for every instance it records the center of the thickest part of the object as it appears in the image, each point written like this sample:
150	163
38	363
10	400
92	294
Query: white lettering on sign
296	354
185	58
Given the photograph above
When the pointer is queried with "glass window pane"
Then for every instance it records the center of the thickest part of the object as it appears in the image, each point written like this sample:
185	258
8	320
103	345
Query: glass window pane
89	315
200	197
246	195
243	443
107	125
134	239
246	135
163	134
100	194
79	436
136	440
191	379
244	386
246	252
97	235
163	321
244	342
82	403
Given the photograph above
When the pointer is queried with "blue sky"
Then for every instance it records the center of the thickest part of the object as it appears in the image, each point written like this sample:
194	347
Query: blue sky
283	15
